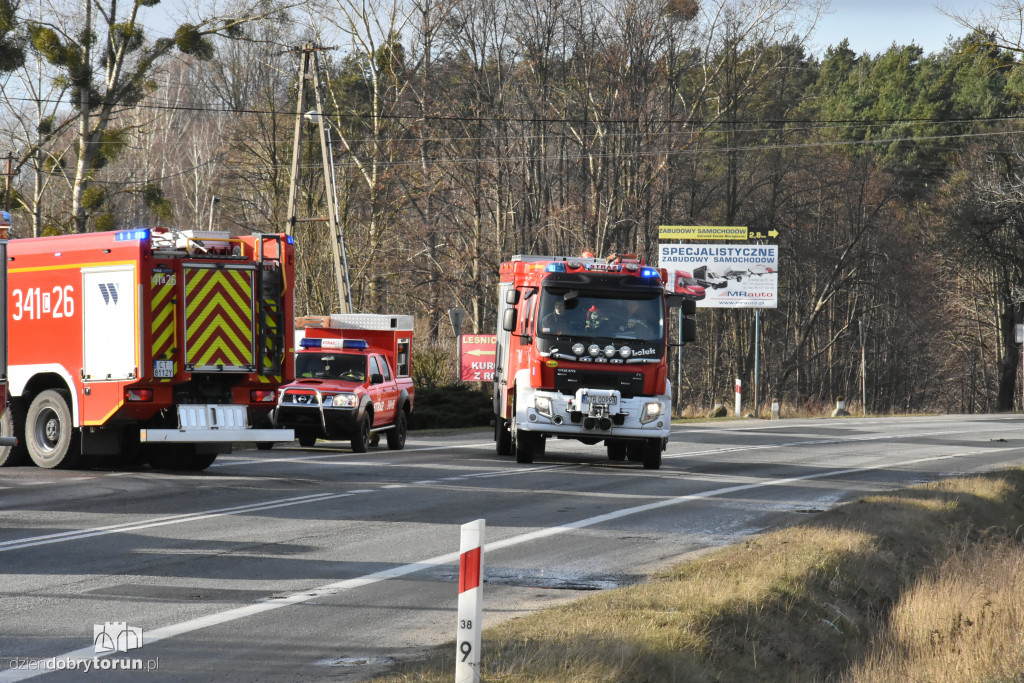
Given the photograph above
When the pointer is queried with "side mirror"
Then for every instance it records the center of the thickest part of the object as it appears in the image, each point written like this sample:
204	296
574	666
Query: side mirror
509	319
376	378
689	307
689	330
512	297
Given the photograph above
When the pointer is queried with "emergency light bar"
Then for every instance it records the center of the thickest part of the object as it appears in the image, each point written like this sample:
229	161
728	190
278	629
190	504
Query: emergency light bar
318	343
131	235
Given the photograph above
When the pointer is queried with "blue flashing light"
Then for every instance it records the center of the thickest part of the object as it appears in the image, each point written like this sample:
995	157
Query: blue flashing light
289	239
131	235
556	267
309	343
355	344
650	272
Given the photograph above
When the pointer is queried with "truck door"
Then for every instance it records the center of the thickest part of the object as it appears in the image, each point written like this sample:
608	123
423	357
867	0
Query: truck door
390	390
376	392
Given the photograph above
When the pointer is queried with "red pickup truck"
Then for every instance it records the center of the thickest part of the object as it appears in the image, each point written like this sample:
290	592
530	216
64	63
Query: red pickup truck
352	380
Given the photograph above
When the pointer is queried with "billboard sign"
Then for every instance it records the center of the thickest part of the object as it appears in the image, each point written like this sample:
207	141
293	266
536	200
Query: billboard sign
720	276
477	358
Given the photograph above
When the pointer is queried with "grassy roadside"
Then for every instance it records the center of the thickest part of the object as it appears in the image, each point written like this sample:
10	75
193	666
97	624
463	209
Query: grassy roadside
922	584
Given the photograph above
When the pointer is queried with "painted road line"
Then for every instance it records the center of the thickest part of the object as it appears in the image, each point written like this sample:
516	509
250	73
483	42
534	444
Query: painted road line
246	611
17	544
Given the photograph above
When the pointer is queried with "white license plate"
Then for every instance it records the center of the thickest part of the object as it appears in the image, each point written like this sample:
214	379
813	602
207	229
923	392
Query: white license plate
163	368
603	400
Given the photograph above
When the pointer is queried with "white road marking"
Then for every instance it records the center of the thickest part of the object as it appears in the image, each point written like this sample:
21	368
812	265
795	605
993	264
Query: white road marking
330	589
18	544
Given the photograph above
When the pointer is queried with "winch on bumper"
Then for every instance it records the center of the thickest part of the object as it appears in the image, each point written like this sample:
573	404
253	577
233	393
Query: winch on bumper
593	413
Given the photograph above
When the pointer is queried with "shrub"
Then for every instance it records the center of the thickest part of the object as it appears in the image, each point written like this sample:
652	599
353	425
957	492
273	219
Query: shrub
451	406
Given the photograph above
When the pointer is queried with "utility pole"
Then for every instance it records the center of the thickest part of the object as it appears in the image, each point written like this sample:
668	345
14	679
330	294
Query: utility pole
309	70
7	185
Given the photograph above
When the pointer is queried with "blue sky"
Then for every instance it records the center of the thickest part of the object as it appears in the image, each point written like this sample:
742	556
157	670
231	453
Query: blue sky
873	25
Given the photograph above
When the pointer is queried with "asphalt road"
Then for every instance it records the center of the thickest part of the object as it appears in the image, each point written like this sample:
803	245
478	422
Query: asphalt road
311	564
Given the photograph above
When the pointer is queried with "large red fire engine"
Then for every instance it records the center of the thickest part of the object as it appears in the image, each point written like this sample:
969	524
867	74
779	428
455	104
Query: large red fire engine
581	354
152	343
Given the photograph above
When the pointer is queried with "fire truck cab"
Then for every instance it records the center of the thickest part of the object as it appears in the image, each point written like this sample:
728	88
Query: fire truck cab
581	354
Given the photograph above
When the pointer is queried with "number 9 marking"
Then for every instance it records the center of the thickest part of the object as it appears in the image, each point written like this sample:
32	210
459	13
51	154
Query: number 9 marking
465	648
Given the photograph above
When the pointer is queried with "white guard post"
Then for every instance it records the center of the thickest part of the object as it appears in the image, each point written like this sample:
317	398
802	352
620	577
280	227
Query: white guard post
739	397
471	604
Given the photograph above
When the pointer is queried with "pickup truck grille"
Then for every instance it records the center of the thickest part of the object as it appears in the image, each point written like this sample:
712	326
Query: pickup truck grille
568	380
294	397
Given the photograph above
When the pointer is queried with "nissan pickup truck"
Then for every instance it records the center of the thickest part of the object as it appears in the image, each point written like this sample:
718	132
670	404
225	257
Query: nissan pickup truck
352	381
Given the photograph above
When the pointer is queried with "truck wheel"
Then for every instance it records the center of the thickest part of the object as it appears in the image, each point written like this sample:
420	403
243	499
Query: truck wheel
306	440
10	455
48	432
361	439
652	454
264	445
502	436
200	461
396	436
616	450
522	446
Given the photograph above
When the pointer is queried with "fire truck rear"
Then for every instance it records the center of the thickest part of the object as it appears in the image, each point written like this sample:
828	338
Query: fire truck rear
149	343
581	354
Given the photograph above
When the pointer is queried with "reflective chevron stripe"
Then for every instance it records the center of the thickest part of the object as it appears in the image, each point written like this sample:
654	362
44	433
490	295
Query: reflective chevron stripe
219	319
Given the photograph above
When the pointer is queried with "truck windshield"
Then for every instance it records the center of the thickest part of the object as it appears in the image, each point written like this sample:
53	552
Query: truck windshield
330	366
598	315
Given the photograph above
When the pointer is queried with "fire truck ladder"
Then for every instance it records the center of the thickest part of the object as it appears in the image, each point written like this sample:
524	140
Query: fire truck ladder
309	70
270	309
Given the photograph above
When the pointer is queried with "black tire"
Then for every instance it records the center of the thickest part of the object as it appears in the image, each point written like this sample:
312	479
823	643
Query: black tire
502	436
178	457
49	435
652	454
616	450
10	455
522	446
169	456
306	440
361	438
264	445
396	435
200	461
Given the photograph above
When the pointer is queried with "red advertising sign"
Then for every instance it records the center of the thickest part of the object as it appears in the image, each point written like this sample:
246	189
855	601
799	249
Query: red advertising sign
477	362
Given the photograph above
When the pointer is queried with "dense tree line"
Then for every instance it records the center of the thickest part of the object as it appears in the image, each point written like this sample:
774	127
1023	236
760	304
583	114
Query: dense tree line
468	131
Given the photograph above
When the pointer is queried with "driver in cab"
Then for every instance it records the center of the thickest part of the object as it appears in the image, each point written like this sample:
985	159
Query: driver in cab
557	321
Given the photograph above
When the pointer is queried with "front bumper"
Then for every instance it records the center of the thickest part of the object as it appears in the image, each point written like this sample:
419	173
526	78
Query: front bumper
328	423
593	413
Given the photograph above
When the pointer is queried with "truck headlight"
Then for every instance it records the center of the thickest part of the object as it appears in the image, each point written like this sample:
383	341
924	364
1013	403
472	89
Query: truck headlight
340	401
650	413
542	404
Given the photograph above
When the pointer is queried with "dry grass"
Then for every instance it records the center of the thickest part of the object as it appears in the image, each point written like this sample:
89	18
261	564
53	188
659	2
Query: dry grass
924	584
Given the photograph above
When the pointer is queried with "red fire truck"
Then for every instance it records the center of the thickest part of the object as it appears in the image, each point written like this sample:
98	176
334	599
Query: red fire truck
352	380
7	440
150	343
581	354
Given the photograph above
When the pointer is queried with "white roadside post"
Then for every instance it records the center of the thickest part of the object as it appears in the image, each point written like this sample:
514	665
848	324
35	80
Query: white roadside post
739	397
471	604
